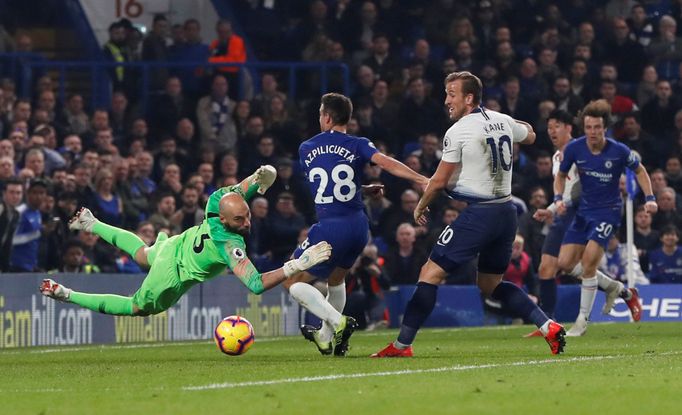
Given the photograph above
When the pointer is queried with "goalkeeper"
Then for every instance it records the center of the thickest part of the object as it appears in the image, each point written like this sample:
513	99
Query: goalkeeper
198	254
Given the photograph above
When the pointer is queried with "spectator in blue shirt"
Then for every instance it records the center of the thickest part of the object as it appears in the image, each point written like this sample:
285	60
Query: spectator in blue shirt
666	261
26	239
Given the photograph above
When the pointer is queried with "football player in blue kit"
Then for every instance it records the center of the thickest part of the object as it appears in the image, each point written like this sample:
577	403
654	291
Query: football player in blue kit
476	167
559	127
333	162
600	162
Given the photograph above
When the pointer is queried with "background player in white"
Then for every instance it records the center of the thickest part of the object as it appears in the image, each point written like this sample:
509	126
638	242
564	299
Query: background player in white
334	161
559	128
600	161
475	167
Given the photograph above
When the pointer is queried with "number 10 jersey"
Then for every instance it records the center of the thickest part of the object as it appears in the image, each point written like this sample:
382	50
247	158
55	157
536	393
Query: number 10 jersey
483	141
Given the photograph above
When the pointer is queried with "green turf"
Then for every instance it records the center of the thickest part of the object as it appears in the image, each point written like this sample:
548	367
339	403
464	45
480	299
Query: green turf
615	369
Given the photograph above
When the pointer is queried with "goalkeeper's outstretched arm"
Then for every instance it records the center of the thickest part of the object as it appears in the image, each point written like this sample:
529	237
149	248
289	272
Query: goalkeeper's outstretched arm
257	283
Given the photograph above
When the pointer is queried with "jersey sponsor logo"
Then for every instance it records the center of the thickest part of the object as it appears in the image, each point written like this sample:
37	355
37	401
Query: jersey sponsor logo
602	177
238	253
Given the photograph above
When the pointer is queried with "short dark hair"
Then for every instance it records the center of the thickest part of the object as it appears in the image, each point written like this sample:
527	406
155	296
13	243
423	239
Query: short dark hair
471	84
561	116
599	109
12	182
339	107
72	243
670	229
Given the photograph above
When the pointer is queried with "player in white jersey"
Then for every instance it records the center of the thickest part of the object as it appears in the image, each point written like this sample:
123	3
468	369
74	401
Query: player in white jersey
476	167
559	128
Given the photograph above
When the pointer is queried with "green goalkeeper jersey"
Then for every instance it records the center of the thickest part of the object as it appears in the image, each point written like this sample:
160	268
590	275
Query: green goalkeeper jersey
204	251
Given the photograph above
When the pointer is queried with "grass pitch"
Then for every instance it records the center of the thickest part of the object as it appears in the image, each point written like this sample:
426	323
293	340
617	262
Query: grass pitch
614	369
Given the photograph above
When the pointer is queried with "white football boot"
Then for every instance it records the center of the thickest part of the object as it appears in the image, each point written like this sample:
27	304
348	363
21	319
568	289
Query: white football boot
611	296
83	220
579	327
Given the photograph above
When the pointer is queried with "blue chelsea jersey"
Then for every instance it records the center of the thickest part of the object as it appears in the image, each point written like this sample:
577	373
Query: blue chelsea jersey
599	173
333	162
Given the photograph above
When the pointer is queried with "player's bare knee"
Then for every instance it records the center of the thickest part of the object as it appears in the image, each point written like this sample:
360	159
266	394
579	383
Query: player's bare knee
547	271
431	273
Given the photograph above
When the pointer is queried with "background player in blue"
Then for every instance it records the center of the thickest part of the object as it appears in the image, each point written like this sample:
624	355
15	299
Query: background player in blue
333	162
559	127
600	161
475	167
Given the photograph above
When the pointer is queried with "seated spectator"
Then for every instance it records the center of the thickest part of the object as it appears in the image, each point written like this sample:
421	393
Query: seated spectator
259	240
12	193
397	214
214	116
154	49
108	205
165	208
189	214
666	48
97	252
405	259
264	154
645	238
520	270
285	224
169	107
26	240
7	169
168	154
673	172
74	260
74	119
615	262
658	115
667	210
228	168
375	206
282	126
665	261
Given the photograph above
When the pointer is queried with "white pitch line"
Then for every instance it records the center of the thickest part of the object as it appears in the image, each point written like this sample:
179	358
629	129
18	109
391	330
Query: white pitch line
458	368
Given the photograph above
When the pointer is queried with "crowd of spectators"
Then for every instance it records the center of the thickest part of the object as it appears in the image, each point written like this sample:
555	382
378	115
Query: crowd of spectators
151	169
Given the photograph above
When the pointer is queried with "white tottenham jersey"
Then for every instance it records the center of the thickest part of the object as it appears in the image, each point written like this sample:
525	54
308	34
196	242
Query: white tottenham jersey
572	187
483	142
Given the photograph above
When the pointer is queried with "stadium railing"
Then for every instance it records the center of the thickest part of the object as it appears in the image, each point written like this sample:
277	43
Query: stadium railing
26	68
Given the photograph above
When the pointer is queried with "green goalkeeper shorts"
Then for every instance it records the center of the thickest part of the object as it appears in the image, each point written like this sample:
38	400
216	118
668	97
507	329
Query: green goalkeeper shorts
162	287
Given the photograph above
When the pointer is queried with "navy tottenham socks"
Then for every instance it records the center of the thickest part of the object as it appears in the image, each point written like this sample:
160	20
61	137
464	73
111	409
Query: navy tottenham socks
418	309
548	294
516	301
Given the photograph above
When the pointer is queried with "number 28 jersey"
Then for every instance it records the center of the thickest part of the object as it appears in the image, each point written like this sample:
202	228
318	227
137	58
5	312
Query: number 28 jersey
333	163
483	142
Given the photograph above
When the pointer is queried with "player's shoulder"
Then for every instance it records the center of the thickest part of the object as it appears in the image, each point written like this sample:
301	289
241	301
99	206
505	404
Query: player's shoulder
617	144
576	143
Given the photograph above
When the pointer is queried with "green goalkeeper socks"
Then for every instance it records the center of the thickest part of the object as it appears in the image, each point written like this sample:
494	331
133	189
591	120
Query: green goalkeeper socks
104	303
120	238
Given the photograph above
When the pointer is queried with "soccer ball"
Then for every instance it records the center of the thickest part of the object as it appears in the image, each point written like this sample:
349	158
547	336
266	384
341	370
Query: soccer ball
234	335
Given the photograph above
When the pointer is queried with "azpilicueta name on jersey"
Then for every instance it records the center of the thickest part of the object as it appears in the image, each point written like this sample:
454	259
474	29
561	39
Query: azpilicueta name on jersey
329	149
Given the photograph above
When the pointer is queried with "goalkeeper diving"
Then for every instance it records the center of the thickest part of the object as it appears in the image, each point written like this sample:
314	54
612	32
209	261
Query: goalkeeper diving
198	254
